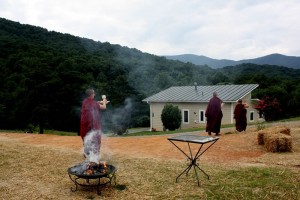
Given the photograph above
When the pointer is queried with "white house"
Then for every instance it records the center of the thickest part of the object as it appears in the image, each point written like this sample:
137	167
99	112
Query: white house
193	100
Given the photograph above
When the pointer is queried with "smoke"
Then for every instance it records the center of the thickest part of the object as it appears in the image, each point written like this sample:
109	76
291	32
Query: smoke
80	168
118	119
122	115
139	67
92	145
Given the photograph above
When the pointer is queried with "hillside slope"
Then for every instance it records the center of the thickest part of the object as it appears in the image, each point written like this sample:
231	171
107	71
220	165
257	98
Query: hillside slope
272	59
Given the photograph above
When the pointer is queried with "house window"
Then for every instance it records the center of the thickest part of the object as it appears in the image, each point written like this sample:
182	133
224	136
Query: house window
185	116
201	116
251	116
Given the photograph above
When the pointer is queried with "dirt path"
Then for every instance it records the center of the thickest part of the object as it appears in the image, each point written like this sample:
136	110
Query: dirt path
229	149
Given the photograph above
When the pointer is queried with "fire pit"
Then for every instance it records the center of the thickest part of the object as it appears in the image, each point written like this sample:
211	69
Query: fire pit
81	175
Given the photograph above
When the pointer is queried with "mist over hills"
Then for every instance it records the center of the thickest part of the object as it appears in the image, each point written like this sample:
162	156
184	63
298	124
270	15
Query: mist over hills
44	75
272	59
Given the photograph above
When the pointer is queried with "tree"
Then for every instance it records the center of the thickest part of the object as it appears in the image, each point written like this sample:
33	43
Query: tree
269	108
171	117
163	80
217	78
44	75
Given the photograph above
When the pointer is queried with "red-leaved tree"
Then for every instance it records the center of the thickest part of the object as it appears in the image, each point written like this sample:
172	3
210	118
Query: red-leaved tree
269	108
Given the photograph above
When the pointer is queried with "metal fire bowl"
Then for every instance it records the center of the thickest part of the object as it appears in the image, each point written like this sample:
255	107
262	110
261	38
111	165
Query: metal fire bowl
110	169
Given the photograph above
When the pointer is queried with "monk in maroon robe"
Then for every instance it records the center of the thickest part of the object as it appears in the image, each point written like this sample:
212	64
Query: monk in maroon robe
214	115
90	120
240	116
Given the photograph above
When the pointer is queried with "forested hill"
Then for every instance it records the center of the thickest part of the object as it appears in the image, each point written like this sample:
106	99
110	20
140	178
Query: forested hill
146	73
272	59
44	75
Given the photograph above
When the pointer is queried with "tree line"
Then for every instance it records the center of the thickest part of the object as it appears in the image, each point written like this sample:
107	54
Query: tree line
44	75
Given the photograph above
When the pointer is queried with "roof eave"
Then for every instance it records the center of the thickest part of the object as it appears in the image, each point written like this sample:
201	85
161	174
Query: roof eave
230	101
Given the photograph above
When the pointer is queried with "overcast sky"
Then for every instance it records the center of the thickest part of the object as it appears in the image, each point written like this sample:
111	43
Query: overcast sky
220	29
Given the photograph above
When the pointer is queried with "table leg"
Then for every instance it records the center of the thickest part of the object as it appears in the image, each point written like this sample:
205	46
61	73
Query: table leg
197	156
202	171
186	170
193	160
196	175
98	187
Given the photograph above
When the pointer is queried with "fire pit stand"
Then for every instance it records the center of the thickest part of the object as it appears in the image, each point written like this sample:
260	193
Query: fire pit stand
84	180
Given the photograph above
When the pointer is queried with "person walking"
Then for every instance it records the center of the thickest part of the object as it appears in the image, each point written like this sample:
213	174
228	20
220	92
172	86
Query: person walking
240	116
214	115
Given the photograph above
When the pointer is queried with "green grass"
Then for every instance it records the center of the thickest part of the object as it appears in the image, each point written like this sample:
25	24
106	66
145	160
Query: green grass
143	133
255	183
148	133
289	119
12	131
53	132
63	133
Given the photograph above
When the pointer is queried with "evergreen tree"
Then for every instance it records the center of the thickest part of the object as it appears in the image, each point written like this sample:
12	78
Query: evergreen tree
171	117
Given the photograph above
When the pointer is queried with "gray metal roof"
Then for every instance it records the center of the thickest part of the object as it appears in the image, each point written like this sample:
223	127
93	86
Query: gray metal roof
228	93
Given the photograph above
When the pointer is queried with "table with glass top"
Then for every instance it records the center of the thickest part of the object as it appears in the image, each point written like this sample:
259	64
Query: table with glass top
203	141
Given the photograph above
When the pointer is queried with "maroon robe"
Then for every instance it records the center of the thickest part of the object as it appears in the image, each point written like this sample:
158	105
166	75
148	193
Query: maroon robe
214	115
90	117
240	116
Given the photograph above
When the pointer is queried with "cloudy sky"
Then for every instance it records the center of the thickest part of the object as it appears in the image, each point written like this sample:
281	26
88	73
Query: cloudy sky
220	29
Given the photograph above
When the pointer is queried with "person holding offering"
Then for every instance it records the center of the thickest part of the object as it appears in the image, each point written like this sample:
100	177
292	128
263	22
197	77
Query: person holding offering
90	120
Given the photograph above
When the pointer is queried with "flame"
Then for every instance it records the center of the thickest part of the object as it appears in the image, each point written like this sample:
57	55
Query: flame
94	168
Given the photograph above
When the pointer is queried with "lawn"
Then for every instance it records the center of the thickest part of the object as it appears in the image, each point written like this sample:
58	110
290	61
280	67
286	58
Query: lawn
37	169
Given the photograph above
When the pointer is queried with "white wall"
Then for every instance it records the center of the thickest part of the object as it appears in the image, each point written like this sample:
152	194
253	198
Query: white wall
193	110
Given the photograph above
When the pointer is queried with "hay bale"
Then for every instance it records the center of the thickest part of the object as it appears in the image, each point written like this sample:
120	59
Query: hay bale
282	129
262	134
260	137
278	142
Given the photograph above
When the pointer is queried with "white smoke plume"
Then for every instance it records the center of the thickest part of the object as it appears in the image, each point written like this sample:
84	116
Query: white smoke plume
92	145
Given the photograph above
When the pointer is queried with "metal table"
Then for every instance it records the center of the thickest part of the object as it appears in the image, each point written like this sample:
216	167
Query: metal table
201	140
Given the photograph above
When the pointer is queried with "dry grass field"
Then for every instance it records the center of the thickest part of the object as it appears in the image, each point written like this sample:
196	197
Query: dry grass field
34	166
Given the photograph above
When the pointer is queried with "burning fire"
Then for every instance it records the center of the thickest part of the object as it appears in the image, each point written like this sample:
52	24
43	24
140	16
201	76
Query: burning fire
95	168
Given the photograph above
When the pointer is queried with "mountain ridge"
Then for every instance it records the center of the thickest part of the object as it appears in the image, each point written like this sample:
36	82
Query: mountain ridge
271	59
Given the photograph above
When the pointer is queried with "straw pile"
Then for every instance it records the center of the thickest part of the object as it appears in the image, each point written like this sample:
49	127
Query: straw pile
278	143
260	137
275	139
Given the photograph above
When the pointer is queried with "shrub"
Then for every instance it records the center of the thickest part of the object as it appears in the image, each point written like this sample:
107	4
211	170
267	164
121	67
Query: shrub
141	121
260	126
270	108
171	117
